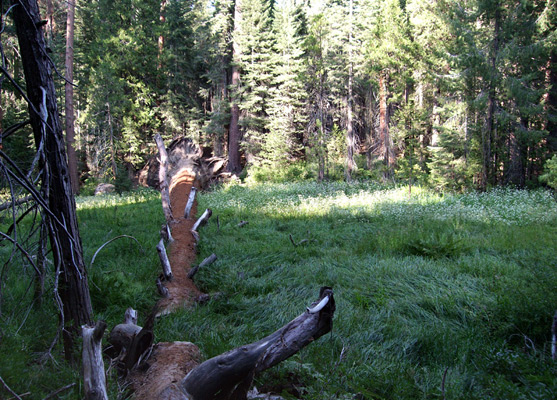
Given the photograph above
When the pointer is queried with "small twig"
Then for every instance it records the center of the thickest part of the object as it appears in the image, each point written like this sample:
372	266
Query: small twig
9	389
443	382
299	243
58	391
110	241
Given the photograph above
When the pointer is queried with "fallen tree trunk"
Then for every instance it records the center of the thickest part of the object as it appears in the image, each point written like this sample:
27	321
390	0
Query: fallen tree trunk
208	261
189	204
166	269
163	180
229	376
93	367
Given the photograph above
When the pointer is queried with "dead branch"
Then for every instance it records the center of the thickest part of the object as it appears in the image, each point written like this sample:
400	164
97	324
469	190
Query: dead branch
189	204
202	220
242	223
14	203
58	391
303	241
208	261
9	389
166	269
110	241
93	367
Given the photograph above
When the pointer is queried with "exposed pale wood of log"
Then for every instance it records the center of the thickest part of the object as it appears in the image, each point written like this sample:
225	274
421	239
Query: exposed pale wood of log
208	261
93	367
163	179
191	199
202	220
166	269
229	375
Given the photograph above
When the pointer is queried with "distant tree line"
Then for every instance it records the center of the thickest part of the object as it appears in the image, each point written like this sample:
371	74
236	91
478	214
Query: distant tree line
456	94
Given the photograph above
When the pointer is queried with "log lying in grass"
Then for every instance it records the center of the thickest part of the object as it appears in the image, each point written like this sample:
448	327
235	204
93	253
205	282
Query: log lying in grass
93	367
166	269
208	261
163	180
230	375
165	233
202	220
189	204
121	335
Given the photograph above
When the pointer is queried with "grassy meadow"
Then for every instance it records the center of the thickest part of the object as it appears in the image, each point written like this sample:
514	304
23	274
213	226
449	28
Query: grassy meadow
447	296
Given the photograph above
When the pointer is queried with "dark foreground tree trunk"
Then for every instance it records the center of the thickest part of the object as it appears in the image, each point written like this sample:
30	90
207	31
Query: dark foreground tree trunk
61	216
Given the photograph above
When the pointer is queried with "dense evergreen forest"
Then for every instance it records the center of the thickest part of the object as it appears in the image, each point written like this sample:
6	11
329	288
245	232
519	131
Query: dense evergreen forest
457	94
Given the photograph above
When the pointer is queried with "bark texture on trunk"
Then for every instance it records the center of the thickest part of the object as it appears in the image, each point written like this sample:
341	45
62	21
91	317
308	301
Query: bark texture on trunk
70	131
234	135
62	222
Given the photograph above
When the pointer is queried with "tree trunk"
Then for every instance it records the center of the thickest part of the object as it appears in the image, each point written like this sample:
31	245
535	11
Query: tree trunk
61	218
70	131
384	136
350	137
234	136
551	101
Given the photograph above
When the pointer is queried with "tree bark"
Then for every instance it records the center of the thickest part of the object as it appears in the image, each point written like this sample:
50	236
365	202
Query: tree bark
93	367
163	180
350	137
62	221
230	375
234	136
70	127
384	135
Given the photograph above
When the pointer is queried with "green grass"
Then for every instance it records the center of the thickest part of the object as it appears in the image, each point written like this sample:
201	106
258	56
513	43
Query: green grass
425	284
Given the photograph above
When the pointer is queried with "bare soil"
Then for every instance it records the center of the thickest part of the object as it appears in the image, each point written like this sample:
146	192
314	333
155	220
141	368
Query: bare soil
170	362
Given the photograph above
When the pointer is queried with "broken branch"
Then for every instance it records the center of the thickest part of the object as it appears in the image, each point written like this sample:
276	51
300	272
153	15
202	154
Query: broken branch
166	269
189	204
208	261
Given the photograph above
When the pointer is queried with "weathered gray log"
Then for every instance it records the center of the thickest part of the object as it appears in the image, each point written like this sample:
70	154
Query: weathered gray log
121	335
163	180
93	367
202	220
189	204
208	261
230	375
166	269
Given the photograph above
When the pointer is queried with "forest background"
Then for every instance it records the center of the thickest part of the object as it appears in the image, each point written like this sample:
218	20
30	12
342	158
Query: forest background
456	94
